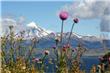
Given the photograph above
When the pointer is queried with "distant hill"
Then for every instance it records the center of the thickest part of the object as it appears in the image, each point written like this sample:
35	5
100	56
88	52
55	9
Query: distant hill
90	42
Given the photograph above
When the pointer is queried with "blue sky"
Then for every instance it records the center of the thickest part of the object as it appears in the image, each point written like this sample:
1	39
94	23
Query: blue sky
45	15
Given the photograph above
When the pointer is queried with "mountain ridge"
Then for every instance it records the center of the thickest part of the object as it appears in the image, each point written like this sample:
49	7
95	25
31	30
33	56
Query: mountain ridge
47	37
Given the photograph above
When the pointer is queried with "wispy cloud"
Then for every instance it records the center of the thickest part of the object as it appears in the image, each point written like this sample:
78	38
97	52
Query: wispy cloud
91	9
7	21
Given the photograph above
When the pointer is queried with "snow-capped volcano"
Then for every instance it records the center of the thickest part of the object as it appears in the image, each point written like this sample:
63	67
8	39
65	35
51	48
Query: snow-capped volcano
31	29
32	25
36	30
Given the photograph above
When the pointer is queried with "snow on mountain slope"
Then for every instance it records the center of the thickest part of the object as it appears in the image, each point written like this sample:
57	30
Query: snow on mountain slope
35	29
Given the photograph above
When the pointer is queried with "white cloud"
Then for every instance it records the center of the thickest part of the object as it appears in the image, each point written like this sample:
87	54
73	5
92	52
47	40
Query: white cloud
91	9
4	25
105	23
6	22
21	20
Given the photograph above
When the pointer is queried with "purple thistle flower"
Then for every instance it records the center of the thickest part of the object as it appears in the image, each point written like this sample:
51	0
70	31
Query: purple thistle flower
76	20
73	50
63	15
101	58
68	46
64	46
46	52
109	59
36	59
54	47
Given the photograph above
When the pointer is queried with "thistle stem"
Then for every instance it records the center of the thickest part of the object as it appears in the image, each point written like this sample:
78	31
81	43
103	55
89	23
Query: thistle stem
62	31
69	38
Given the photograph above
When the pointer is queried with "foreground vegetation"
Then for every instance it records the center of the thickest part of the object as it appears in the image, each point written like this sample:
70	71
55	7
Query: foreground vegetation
20	58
